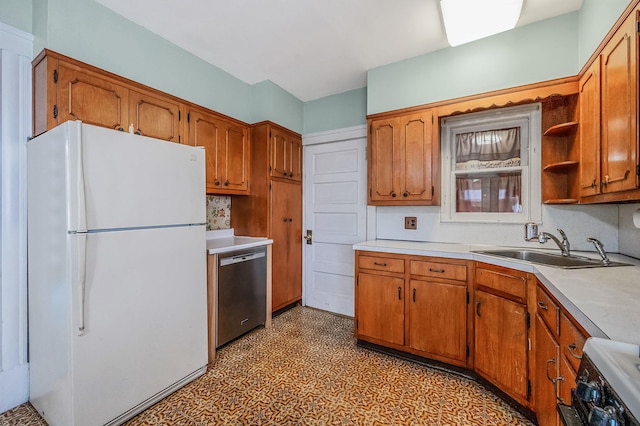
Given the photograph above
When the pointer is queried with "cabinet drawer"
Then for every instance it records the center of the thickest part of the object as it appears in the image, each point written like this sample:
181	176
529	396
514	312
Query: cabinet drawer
380	263
548	310
502	282
571	341
438	270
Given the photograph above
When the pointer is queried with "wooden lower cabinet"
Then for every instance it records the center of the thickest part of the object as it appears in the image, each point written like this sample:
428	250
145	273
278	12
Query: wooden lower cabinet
558	350
286	232
380	306
415	304
501	346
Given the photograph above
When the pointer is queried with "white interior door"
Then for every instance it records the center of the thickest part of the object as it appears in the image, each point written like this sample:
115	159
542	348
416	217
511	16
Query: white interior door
335	205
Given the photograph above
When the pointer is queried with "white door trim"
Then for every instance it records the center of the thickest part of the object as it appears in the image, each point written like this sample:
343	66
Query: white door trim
16	48
337	135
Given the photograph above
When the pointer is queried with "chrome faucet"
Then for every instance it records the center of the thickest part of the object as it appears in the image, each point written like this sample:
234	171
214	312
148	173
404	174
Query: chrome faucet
600	250
531	233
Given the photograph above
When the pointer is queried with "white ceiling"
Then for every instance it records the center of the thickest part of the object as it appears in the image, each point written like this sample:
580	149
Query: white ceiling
310	48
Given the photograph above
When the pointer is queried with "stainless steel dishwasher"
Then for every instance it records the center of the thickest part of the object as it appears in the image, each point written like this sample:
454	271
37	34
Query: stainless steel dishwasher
241	302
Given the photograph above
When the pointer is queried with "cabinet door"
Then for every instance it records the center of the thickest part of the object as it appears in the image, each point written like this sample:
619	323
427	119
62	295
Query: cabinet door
619	109
384	160
154	117
207	131
590	130
295	158
416	157
438	318
286	232
279	150
380	307
94	100
547	367
501	343
568	382
235	157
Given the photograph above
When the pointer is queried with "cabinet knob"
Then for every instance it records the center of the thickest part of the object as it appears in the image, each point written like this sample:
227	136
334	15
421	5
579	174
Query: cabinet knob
285	174
399	293
226	183
217	183
120	129
291	174
405	194
593	184
393	195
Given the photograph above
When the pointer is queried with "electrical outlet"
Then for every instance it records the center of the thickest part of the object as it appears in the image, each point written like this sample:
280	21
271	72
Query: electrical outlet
410	222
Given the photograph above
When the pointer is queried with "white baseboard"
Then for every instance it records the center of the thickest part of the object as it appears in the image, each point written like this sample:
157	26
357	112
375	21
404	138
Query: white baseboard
14	387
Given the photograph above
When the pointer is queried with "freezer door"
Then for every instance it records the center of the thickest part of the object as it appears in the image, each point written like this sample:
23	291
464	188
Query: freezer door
145	317
121	180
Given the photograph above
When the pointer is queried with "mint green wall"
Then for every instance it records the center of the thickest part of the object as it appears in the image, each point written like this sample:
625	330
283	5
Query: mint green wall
541	51
16	13
596	17
270	102
336	112
87	31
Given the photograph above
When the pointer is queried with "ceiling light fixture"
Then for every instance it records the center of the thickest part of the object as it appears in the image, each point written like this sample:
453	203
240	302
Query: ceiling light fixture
469	20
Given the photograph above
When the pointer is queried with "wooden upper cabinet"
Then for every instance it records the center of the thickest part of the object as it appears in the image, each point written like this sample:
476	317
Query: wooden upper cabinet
154	117
619	111
91	99
589	119
402	160
286	155
226	147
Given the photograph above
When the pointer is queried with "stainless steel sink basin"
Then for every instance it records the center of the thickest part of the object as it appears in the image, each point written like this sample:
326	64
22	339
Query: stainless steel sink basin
548	259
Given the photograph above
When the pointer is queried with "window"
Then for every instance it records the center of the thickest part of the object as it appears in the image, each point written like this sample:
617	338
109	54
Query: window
491	166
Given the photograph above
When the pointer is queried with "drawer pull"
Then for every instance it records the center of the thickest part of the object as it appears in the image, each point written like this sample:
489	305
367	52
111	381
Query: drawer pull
399	293
379	264
440	271
572	347
414	295
542	306
478	309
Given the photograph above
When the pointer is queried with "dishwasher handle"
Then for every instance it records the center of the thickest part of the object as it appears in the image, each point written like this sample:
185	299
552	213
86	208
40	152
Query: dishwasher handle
244	257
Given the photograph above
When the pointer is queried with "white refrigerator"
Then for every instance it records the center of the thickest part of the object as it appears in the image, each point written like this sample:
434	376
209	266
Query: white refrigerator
117	272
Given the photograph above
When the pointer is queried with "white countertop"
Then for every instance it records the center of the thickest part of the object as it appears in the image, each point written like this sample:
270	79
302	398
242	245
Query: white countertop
224	240
605	301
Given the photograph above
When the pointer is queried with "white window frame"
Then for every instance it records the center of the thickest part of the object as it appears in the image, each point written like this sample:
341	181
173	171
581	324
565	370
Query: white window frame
528	118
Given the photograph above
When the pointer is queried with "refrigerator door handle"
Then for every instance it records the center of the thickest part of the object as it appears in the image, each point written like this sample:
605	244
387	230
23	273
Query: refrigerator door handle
81	275
80	188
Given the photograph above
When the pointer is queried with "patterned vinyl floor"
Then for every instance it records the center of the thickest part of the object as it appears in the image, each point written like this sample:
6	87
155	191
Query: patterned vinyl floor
307	370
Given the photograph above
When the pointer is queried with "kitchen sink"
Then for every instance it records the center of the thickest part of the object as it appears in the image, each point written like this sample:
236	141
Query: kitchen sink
549	259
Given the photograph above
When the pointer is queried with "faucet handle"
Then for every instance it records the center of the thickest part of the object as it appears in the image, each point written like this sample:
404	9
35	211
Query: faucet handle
564	236
600	250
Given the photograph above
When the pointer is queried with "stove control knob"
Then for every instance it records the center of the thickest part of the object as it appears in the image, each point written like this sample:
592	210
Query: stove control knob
589	392
607	416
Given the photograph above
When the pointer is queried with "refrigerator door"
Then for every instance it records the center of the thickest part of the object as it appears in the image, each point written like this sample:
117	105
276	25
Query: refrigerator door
119	180
145	317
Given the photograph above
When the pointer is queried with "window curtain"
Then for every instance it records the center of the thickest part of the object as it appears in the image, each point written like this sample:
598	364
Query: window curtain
496	193
488	149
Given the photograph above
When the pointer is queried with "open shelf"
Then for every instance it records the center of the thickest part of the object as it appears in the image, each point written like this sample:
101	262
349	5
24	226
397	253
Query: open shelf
562	201
561	129
559	166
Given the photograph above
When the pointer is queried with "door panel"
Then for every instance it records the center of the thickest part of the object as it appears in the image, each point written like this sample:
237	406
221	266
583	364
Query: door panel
547	365
384	164
140	293
335	213
148	170
501	343
416	142
92	100
206	131
590	131
153	117
438	318
236	166
381	307
619	109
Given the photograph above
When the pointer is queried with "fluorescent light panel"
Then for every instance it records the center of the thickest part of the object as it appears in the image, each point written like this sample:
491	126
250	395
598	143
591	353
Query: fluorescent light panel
469	20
